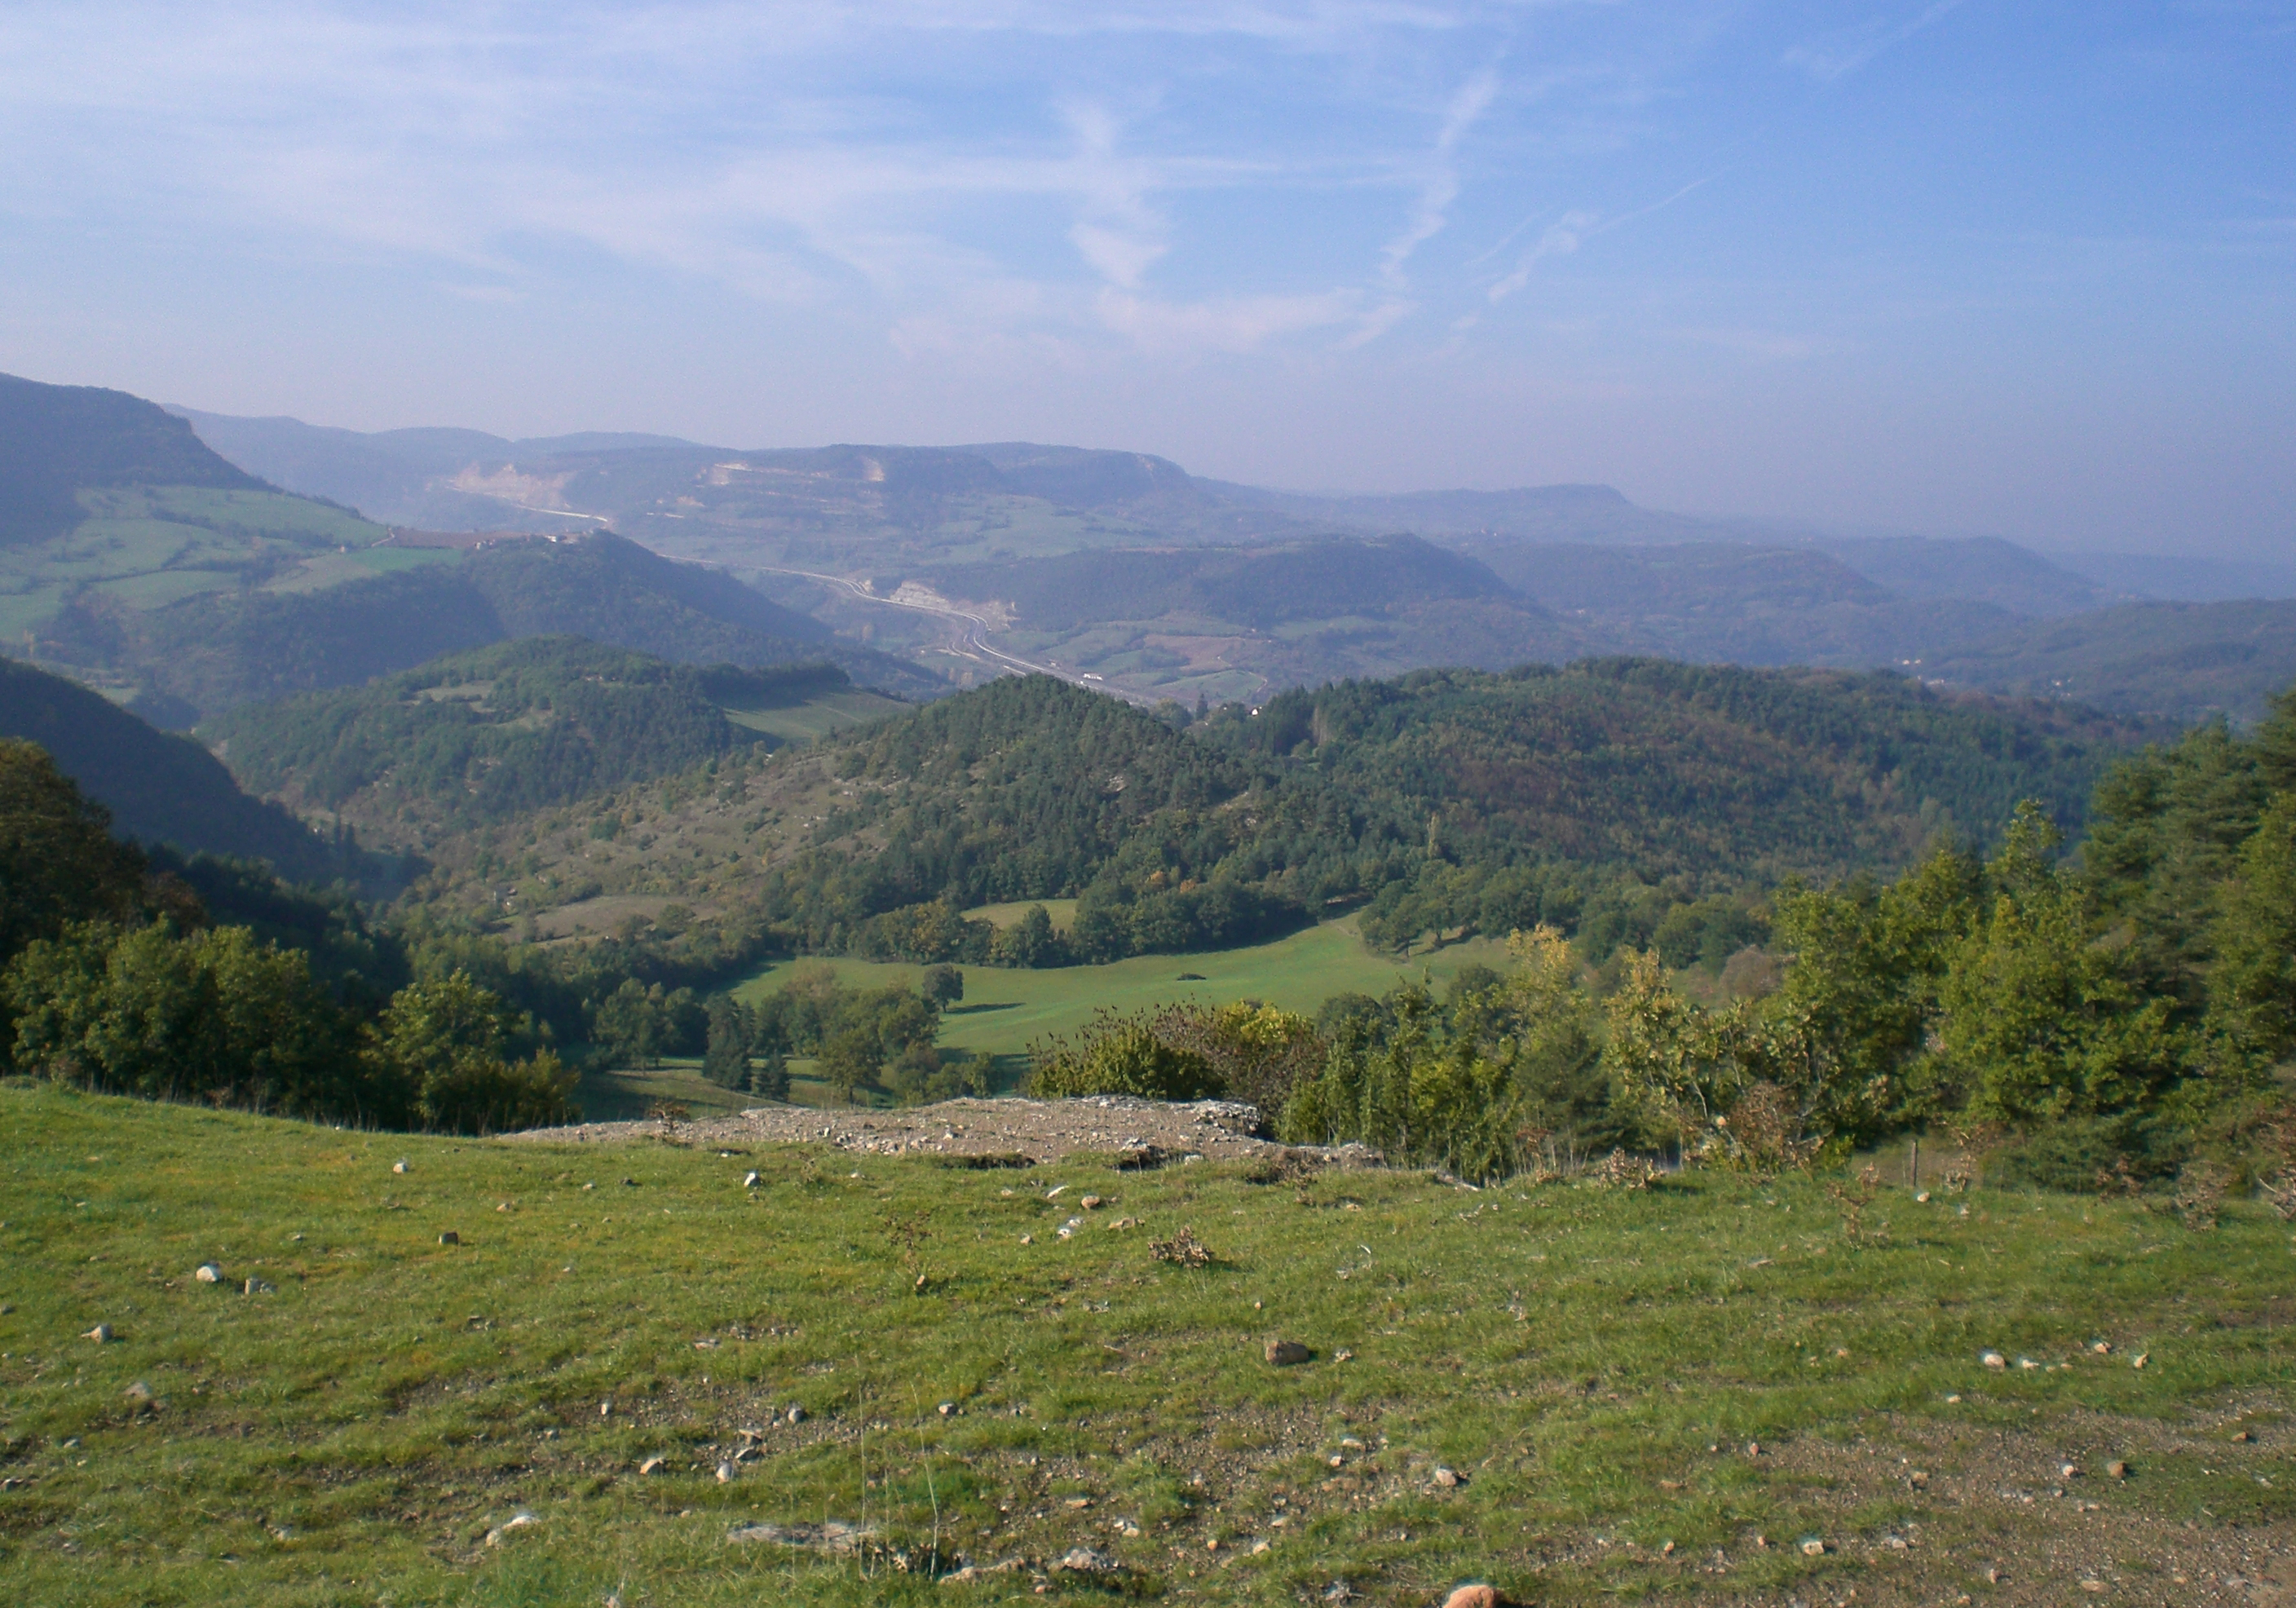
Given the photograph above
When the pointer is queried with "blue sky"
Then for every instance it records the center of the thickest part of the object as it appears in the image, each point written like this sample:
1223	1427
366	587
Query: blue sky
1944	266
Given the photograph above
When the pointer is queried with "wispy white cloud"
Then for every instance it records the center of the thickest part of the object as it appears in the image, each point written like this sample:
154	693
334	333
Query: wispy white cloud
1846	49
1441	187
1560	238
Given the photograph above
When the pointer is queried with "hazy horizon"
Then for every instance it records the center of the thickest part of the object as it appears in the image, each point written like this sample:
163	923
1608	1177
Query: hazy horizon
1944	267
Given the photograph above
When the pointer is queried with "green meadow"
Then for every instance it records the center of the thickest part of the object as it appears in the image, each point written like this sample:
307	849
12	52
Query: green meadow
1711	1384
1004	1010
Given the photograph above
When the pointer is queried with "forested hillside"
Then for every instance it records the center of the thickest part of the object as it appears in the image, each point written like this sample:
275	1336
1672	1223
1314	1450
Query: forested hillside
159	788
1601	797
477	737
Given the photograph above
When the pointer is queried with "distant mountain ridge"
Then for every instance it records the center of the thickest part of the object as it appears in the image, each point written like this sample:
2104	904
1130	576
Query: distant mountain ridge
1076	543
56	441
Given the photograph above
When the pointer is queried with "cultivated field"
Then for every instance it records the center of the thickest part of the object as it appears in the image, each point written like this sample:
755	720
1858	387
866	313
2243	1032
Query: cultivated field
1707	1389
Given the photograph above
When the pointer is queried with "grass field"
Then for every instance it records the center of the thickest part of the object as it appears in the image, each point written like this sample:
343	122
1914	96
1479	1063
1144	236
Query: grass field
822	717
1004	1010
1061	912
1593	1363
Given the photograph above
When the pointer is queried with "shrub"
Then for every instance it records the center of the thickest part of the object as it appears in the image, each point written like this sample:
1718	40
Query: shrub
1121	1056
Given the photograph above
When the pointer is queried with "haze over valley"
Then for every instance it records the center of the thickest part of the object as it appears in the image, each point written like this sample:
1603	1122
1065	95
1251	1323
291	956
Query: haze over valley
1466	804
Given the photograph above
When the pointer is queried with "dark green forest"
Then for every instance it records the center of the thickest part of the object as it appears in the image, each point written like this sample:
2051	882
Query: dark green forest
481	737
1599	797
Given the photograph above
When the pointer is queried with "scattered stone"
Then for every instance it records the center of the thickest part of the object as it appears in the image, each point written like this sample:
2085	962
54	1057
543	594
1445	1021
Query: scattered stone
1069	1228
606	1408
1121	1223
1079	1502
796	1414
726	1474
959	1577
2069	1471
1812	1548
1343	1357
1993	1359
2102	1348
450	1238
1287	1353
752	1181
100	1333
139	1393
2117	1469
1922	1199
1449	1479
516	1522
1260	1544
1476	1595
1897	1542
947	1409
2027	1362
2140	1359
2243	1436
1919	1479
1028	1239
398	1167
1993	1577
259	1286
207	1273
1084	1560
2092	1585
1754	1448
654	1465
1054	1193
833	1535
1952	1401
1091	1202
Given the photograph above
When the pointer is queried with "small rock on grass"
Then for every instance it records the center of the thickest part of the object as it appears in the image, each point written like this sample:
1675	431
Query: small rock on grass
207	1273
2117	1469
1084	1560
654	1465
398	1167
450	1238
259	1286
1449	1479
1474	1596
1287	1353
516	1522
100	1333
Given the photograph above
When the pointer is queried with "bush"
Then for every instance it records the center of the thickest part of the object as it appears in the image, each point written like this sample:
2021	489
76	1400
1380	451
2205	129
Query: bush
1120	1055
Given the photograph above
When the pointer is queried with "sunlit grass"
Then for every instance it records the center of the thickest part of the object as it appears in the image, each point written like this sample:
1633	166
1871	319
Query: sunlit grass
353	1435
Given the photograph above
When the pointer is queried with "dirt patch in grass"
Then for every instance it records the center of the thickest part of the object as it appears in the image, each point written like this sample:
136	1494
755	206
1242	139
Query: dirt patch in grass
1125	1130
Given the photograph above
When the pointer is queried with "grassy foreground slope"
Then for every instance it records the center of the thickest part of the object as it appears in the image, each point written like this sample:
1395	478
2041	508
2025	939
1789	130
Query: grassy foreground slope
1596	1363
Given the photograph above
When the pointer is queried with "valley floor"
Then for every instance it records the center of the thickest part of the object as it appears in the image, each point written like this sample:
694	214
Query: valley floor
863	1374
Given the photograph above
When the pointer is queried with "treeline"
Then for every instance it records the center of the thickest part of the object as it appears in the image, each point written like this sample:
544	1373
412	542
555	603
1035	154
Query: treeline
2109	1021
1599	798
113	975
